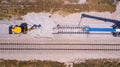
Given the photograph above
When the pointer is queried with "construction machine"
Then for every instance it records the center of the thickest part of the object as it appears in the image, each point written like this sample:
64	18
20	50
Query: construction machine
22	28
115	30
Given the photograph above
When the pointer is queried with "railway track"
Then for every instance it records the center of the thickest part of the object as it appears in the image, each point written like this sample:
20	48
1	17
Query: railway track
68	29
60	49
74	47
55	44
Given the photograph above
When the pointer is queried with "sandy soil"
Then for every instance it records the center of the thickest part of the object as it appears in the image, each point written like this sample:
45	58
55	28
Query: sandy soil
49	21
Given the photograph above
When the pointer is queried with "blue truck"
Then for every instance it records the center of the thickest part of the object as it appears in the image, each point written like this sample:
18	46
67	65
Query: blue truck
115	30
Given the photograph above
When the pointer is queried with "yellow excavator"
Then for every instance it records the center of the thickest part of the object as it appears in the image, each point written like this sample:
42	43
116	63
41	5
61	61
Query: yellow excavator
23	28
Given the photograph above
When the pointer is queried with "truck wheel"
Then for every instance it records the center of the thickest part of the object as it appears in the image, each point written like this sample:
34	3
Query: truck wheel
119	34
114	34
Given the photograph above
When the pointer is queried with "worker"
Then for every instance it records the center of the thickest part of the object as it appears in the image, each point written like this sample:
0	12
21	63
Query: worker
58	25
39	26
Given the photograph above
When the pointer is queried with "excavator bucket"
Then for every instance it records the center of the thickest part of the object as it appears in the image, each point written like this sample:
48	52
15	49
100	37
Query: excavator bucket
10	29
